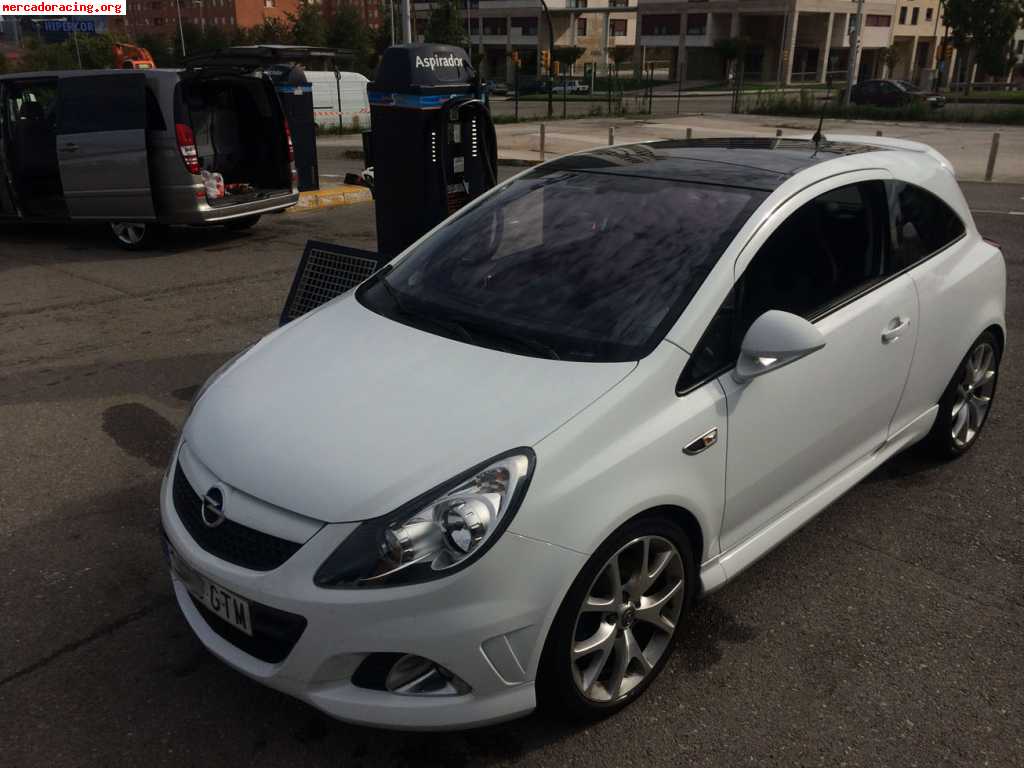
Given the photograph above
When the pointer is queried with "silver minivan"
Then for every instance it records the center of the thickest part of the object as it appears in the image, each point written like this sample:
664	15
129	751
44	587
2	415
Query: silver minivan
142	150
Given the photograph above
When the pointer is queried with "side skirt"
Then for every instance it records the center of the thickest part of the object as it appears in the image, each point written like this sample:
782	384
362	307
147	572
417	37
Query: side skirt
726	566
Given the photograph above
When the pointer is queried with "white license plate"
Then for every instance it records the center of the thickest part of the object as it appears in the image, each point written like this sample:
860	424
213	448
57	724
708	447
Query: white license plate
233	609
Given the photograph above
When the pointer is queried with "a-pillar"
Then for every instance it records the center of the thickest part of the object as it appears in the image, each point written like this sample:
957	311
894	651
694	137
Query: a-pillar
826	50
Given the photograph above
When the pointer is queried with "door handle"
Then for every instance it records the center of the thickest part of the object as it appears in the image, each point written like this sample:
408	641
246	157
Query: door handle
896	328
69	147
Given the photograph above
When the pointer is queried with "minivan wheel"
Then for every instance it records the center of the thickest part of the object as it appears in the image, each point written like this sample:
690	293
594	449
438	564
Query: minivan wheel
244	223
615	629
965	405
134	235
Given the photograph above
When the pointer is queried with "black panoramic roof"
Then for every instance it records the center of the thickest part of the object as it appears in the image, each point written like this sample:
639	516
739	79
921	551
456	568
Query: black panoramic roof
751	163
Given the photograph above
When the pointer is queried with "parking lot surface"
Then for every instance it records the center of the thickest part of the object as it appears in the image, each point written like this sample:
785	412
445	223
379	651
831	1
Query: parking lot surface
890	631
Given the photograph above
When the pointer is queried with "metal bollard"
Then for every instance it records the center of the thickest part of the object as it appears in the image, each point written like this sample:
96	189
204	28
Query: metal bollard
542	142
878	133
778	133
611	135
689	133
990	169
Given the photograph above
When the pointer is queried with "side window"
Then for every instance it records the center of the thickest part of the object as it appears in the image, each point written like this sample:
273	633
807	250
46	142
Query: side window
102	103
826	252
920	224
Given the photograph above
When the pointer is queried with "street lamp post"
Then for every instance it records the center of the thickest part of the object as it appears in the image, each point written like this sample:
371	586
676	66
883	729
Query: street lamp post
551	41
181	29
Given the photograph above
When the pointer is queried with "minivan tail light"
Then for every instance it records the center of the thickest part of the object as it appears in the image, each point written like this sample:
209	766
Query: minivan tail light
187	147
291	147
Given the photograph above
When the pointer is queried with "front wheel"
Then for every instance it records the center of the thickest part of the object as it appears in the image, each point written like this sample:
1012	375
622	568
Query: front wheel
134	235
615	629
965	405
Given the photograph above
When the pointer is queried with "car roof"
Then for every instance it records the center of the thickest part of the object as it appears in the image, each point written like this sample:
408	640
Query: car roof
753	163
63	73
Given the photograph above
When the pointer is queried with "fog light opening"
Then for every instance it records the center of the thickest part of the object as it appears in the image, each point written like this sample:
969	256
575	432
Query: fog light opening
416	676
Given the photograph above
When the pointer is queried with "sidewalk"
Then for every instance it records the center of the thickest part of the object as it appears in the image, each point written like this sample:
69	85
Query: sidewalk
965	144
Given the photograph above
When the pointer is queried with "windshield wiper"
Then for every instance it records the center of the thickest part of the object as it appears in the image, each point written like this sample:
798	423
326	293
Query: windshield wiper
449	325
524	342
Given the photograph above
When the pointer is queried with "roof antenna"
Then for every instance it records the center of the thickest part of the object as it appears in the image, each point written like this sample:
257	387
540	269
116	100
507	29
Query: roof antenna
818	135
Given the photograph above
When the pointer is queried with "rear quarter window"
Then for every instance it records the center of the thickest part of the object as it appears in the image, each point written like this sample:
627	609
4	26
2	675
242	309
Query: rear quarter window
920	223
102	103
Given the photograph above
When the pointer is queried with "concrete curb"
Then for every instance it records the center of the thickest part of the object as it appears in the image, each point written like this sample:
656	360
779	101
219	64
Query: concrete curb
330	197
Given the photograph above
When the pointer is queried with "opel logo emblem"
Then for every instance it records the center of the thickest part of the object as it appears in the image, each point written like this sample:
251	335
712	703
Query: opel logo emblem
213	508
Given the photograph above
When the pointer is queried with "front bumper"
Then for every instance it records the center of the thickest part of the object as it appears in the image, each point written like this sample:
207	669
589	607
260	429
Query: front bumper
486	623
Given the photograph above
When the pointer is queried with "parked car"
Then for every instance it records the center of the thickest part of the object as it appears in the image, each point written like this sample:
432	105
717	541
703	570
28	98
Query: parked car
502	470
893	93
527	87
497	88
130	148
570	86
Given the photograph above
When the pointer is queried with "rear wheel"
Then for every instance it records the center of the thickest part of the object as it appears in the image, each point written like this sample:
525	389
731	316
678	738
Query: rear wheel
238	225
615	629
134	235
965	405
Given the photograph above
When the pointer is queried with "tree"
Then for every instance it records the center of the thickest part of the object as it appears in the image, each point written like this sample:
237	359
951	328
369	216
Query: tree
567	55
445	25
347	31
162	48
731	49
982	31
308	26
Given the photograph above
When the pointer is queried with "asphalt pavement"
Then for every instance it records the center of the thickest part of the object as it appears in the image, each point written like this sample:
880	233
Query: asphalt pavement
888	632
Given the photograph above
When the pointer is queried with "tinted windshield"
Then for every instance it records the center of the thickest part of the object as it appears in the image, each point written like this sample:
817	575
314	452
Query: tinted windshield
566	264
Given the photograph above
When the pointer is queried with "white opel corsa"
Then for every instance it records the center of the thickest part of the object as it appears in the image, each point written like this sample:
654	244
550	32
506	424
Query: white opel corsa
500	471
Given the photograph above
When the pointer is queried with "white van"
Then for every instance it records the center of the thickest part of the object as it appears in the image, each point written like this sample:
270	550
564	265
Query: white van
339	96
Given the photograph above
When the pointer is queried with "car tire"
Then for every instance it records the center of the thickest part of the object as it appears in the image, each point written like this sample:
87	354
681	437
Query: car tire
238	225
135	235
580	684
967	401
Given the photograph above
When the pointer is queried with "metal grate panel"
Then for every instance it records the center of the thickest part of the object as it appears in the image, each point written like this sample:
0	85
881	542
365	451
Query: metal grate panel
325	272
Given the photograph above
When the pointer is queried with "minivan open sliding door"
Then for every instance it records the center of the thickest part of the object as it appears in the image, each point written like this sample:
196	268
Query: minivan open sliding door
101	146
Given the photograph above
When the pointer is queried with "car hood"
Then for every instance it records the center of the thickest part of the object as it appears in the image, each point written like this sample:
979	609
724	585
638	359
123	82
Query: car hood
344	415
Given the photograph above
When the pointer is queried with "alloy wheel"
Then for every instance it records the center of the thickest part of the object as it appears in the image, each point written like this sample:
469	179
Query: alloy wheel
973	394
627	619
128	233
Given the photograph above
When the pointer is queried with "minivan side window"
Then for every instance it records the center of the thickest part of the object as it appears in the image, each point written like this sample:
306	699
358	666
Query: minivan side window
827	252
920	224
102	103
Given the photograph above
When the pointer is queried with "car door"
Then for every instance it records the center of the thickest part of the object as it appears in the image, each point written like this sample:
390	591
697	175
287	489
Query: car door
7	203
798	426
101	147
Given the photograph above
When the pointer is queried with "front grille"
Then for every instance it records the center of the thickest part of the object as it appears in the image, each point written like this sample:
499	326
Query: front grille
274	632
229	541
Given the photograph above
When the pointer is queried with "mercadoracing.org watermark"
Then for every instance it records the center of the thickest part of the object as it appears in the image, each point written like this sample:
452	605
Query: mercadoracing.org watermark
42	8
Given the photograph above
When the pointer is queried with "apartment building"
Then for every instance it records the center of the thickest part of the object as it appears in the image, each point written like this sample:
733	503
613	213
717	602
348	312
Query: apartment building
161	16
793	41
605	29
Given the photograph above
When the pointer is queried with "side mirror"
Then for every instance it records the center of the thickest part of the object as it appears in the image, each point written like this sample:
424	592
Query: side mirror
774	340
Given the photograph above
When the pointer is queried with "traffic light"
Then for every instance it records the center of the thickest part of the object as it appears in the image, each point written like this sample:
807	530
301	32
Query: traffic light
545	60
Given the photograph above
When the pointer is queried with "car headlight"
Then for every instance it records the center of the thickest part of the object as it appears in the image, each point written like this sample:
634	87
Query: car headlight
435	534
211	380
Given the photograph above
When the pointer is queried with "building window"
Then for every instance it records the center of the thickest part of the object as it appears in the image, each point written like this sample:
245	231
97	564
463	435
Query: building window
581	27
877	20
903	15
1020	46
269	3
527	25
618	4
618	27
495	26
580	4
697	24
914	15
927	14
657	24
